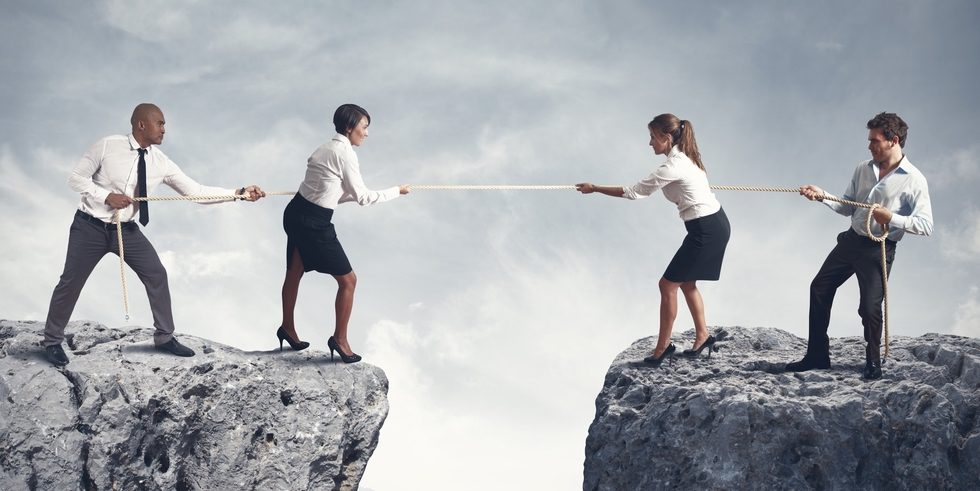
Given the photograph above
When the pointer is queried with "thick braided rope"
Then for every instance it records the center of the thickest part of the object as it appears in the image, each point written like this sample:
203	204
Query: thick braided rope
209	197
761	189
512	187
491	187
884	271
119	239
122	263
877	238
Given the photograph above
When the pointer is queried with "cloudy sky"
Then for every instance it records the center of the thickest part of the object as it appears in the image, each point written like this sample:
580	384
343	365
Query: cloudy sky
494	314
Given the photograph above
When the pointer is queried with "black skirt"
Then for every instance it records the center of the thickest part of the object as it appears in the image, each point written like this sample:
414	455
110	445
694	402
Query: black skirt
308	229
701	254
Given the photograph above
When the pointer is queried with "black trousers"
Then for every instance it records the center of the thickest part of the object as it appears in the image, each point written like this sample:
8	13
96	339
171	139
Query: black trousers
853	255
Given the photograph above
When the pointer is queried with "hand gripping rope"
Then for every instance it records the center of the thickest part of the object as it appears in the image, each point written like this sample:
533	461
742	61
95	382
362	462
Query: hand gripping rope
880	239
509	187
118	222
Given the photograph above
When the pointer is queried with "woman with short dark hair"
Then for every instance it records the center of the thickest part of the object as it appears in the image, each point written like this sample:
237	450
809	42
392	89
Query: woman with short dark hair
685	183
333	176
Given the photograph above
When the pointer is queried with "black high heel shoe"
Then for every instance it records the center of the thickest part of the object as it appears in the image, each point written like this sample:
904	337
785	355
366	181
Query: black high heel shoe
295	345
708	343
657	361
351	358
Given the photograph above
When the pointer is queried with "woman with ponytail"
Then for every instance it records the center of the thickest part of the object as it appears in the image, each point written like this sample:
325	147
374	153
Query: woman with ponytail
685	183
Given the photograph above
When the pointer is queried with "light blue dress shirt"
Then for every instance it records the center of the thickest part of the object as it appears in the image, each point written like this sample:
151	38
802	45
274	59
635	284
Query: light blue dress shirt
904	191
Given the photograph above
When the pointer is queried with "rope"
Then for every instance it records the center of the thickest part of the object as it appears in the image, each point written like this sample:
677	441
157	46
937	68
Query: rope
490	187
209	197
880	239
513	187
201	197
122	263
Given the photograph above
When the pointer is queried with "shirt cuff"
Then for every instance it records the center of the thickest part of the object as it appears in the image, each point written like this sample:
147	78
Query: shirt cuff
393	192
898	221
216	191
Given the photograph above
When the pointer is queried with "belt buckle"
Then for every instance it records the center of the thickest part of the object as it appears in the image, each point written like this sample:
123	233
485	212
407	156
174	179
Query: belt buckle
105	225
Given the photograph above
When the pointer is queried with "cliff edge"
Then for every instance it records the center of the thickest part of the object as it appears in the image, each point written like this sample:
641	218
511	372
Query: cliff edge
124	416
738	421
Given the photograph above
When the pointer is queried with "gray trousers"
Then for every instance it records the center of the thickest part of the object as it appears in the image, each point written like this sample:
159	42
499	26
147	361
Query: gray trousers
88	243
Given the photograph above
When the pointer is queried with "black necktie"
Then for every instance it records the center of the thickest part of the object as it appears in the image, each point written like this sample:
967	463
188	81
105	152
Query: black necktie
141	187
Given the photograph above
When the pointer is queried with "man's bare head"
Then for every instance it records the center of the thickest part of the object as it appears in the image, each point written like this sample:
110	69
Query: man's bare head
148	124
142	112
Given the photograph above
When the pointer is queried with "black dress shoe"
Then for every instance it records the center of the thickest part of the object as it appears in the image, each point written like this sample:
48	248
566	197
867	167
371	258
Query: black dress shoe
56	355
872	370
809	363
175	348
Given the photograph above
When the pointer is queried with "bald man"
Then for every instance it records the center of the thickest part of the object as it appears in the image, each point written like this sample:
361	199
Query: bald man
113	170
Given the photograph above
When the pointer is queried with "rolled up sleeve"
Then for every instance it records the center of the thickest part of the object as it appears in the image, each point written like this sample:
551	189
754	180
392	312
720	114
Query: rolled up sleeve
919	221
649	185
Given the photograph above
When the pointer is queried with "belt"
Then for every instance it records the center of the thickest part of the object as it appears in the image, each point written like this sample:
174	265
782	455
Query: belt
868	240
107	226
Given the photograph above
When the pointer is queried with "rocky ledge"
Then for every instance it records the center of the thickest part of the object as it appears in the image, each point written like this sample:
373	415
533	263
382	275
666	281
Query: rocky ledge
738	421
123	416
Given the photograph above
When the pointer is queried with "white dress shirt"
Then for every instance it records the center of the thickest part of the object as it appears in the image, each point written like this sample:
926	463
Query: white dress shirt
109	166
904	191
683	183
333	176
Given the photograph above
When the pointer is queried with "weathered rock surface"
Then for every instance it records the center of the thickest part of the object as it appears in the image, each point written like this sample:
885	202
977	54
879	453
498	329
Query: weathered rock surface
737	421
124	416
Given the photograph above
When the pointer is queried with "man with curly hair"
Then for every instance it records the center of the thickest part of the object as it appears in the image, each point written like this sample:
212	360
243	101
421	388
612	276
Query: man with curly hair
891	181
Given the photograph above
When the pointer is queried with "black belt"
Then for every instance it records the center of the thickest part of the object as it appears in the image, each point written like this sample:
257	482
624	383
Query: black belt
107	226
869	240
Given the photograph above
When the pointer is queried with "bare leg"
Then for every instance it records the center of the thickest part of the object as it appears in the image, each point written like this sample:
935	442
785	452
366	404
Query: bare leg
344	306
290	289
696	304
668	312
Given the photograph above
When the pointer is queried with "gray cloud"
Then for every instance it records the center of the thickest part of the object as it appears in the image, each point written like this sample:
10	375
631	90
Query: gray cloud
494	314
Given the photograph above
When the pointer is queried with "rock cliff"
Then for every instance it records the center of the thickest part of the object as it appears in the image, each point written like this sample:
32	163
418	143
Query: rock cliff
123	416
737	421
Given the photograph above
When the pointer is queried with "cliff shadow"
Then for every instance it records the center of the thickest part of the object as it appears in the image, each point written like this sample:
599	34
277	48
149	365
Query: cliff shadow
297	358
779	367
33	353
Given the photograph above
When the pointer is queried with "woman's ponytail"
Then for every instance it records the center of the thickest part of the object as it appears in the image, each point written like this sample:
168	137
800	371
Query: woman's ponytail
682	133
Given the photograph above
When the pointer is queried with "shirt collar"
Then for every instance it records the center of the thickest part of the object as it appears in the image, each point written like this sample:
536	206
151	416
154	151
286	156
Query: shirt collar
135	145
903	165
341	138
674	151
